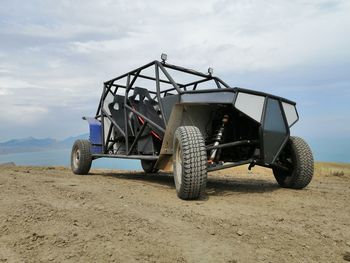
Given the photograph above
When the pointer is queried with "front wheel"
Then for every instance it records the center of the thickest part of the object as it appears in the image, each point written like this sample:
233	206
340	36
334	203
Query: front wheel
298	159
81	157
189	163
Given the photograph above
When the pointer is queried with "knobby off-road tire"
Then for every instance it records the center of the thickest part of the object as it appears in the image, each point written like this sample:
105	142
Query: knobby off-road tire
148	166
81	157
189	163
298	157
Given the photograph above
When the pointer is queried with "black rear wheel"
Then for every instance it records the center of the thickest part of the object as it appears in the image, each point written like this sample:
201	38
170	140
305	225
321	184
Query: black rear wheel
298	159
189	163
148	166
81	157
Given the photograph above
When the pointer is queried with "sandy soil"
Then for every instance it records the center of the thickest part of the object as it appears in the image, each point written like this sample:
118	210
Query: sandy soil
50	215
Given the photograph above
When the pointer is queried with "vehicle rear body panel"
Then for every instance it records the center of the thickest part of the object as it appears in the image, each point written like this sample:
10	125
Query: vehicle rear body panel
193	108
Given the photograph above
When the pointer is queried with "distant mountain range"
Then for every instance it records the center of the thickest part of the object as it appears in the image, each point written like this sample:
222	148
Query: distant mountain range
32	144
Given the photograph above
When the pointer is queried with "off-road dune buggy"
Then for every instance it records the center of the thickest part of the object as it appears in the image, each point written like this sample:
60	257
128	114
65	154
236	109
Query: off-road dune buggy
174	118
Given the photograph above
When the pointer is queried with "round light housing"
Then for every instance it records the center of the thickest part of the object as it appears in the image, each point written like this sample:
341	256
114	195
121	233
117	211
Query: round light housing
164	57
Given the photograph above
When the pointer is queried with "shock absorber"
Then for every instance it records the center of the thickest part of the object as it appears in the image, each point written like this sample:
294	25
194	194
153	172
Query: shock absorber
218	138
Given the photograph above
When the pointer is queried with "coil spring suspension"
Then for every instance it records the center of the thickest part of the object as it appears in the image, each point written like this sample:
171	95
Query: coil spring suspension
218	138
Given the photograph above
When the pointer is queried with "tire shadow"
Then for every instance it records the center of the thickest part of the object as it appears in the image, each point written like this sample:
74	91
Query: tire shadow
216	185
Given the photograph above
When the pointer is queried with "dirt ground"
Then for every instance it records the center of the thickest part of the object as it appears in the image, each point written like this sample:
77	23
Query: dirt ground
50	215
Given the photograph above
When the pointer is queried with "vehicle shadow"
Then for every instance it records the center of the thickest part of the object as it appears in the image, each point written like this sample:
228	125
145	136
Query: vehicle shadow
225	186
164	179
216	185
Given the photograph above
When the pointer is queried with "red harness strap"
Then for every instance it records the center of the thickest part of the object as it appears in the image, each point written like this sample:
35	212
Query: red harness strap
143	121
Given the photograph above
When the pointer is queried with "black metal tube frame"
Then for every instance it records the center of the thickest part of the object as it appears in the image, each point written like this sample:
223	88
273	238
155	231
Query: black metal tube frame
111	87
122	156
229	165
232	144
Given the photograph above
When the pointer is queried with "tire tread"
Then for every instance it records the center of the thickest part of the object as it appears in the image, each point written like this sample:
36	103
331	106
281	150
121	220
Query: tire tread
194	177
303	167
85	160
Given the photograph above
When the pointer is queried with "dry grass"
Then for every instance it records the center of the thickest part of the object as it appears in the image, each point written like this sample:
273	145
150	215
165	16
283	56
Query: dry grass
321	169
332	169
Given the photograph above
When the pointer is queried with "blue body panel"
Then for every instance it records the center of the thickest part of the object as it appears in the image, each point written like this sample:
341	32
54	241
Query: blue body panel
95	135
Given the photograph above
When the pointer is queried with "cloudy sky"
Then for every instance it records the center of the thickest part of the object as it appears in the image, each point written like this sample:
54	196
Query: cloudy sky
55	55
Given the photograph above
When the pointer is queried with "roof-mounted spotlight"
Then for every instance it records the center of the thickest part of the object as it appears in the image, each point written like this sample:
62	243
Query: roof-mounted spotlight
164	57
210	71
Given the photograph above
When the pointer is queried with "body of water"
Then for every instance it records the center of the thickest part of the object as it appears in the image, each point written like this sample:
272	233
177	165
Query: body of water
62	158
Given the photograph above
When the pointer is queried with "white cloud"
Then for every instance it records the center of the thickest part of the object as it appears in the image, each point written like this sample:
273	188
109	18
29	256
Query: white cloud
57	54
21	115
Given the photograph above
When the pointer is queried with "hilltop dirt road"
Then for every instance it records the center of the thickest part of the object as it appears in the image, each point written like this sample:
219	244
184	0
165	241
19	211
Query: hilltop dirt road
51	215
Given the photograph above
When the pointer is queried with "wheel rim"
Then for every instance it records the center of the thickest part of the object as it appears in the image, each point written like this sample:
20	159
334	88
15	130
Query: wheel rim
288	160
76	158
178	164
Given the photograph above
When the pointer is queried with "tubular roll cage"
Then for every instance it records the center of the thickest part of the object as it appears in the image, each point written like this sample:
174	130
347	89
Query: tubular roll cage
131	77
